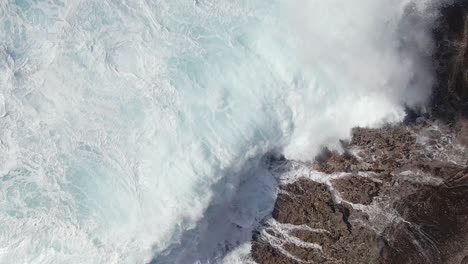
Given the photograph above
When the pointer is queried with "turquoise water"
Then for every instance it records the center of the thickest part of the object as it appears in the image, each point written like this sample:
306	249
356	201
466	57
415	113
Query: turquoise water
121	122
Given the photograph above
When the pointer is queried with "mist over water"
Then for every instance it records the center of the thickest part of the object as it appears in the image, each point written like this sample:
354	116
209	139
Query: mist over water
122	122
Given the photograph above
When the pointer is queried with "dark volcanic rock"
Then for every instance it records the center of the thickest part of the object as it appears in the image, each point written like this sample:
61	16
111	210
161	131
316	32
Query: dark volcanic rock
463	133
333	228
356	189
418	214
396	195
333	161
436	222
450	96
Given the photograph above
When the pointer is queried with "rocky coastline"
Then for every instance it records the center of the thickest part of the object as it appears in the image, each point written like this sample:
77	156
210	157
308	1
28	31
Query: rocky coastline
397	194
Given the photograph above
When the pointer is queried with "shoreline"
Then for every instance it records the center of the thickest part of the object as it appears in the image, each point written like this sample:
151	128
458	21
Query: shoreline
397	194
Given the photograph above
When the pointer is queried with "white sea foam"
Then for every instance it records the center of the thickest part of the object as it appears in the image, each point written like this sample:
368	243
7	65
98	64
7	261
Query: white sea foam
122	121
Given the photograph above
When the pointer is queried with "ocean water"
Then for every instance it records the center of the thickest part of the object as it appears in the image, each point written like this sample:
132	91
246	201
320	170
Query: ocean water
137	131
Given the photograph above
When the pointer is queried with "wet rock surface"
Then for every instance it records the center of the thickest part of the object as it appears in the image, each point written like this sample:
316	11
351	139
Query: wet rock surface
398	194
388	202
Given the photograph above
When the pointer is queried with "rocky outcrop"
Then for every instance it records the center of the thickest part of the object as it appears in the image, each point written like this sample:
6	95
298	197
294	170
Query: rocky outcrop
309	226
397	194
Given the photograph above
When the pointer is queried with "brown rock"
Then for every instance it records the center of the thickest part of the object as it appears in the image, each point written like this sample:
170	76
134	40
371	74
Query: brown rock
463	133
341	236
357	189
429	224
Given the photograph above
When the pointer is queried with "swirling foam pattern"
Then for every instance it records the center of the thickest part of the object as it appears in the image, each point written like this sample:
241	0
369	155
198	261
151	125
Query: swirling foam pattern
118	116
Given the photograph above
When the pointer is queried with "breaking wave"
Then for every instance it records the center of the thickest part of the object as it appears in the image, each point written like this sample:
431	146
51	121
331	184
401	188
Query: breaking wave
136	131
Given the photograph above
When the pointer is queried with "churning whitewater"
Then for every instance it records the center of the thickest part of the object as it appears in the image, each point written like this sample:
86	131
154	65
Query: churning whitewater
123	121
